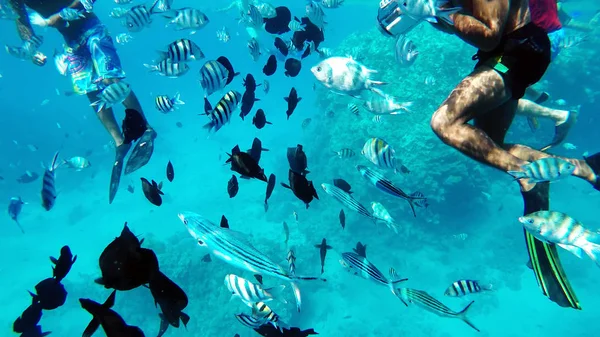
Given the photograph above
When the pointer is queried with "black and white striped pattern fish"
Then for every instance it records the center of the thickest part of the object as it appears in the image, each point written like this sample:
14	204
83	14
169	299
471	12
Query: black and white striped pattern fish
422	199
249	292
464	287
222	112
364	268
163	5
253	17
291	259
382	183
250	321
182	50
315	14
347	200
254	49
353	108
380	153
169	68
345	153
165	104
137	18
296	26
48	188
213	77
262	311
188	18
113	94
427	302
377	119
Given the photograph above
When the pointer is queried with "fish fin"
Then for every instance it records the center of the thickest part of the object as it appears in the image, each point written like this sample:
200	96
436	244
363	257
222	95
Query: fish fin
286	186
517	174
177	99
209	126
224	222
432	20
20	227
277	293
53	260
99	281
110	301
267	122
150	67
411	202
593	251
185	318
286	98
572	249
533	123
44	334
463	315
91	327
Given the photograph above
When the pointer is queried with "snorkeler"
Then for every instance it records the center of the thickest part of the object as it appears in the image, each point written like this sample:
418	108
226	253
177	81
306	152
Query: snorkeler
92	65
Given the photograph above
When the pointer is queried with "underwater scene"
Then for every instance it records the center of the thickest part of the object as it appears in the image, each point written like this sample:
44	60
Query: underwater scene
298	168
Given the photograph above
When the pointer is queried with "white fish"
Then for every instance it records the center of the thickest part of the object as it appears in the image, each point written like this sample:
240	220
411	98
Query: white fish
188	18
223	34
405	51
113	94
569	146
124	38
386	106
296	26
382	214
71	14
428	10
58	125
254	49
461	236
315	14
344	76
45	102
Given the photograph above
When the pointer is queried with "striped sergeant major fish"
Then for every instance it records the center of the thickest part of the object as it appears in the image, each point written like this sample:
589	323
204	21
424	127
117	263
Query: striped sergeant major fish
427	302
113	94
182	50
380	153
169	68
262	311
222	112
461	288
165	104
48	188
187	18
249	292
545	169
347	200
382	183
254	49
364	268
353	109
213	77
138	17
249	321
233	248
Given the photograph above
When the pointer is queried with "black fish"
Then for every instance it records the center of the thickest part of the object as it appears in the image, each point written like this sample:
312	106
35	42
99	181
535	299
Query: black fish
130	188
279	24
170	171
250	83
310	33
232	187
343	185
206	258
29	318
292	67
292	101
260	120
306	52
270	187
134	125
343	219
271	67
244	164
360	250
207	106
49	293
152	191
28	177
404	169
171	299
224	222
48	187
225	62
256	149
14	209
248	100
297	159
268	330
281	46
302	188
179	125
125	265
63	264
35	331
323	247
112	323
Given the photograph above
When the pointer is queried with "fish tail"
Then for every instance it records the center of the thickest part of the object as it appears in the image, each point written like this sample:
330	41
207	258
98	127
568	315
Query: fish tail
55	163
463	315
404	106
209	126
151	67
592	248
411	202
177	99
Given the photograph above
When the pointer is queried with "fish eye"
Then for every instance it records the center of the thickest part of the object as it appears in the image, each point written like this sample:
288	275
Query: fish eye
319	68
185	222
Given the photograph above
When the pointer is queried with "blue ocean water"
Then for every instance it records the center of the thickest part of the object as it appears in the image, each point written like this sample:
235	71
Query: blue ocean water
465	197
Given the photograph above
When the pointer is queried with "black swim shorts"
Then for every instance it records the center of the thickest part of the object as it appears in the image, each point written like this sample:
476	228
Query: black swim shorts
522	58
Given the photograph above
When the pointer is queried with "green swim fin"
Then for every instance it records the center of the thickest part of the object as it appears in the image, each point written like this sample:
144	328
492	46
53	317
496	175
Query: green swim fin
544	257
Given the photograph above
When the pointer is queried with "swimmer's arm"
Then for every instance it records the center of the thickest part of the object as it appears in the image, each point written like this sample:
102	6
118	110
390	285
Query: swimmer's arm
484	33
23	24
55	19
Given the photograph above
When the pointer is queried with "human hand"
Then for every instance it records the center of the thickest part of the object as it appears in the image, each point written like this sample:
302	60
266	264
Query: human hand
55	20
39	59
444	26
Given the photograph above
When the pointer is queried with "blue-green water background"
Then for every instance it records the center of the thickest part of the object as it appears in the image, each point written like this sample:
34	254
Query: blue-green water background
430	256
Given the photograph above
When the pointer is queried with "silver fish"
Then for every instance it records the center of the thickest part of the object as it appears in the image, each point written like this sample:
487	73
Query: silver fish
405	51
345	76
165	104
428	10
249	292
14	209
213	77
386	106
71	14
262	311
267	10
347	200
113	94
382	214
77	163
222	112
315	14
137	18
123	38
169	68
545	169
182	50
254	49
118	12
365	269
188	18
332	3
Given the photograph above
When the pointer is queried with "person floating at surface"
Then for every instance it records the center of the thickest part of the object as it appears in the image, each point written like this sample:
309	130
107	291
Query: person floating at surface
93	64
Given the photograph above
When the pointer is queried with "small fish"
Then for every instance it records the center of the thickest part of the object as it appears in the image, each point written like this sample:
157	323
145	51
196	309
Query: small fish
70	14
49	293
130	188
353	109
63	264
179	125
465	287
123	38
113	94
32	148
382	214
296	26
303	188
48	188
323	247
15	206
169	68
118	12
250	293
380	153
270	187
342	219
405	51
345	76
292	101
297	159
260	120
430	80
222	112
249	321
377	119
165	104
163	5
345	153
206	258
77	163
342	184
152	191
250	83
545	169
271	66
262	311
420	199
560	102
332	3
253	17
286	231
564	231
292	67
232	187
254	49
213	77
360	250
123	2
182	50
386	106
223	35
266	86
367	270
428	10
170	171
347	200
267	10
315	14
461	236
248	100
569	146
295	215
187	18
137	18
427	302
306	123
27	323
227	64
